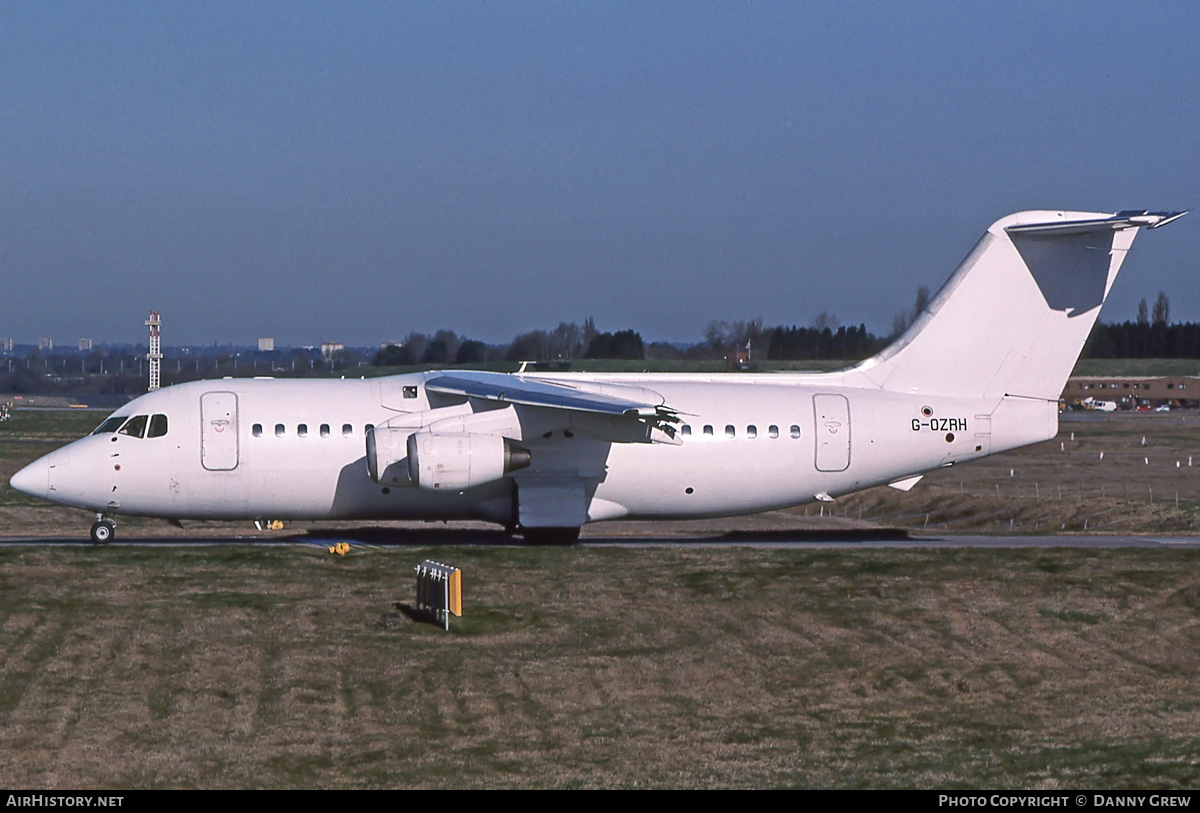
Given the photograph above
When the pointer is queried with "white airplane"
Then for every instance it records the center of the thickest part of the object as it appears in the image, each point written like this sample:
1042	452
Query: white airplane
980	371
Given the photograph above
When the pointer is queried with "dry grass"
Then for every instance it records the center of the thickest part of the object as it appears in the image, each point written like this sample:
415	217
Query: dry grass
287	667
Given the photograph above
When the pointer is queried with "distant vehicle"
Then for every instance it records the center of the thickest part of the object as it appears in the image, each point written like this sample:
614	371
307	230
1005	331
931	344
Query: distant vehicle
1100	406
980	371
1163	408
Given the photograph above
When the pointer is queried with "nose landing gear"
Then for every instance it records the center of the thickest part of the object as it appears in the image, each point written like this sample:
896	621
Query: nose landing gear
103	530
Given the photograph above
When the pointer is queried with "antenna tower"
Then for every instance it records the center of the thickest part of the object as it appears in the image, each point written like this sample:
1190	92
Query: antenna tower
155	354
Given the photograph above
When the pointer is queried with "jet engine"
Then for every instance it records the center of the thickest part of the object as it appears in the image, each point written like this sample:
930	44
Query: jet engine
459	461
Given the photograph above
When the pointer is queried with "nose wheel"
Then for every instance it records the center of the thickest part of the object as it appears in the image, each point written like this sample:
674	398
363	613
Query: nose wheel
103	531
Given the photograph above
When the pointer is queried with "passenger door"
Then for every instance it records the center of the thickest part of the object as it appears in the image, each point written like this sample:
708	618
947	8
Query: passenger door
218	431
832	417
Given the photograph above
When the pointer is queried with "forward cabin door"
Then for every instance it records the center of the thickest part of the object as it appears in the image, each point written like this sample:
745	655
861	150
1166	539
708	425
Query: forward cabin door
832	417
218	431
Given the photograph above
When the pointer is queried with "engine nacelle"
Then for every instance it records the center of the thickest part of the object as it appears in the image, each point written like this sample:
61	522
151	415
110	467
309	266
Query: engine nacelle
459	461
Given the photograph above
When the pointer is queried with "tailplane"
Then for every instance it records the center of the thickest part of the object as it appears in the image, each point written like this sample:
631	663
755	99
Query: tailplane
1013	318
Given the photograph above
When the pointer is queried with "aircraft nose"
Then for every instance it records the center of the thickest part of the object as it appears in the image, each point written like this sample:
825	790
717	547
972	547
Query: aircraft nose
34	479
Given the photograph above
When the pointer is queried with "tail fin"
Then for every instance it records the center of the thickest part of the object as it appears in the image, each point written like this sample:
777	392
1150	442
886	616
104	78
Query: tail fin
1013	318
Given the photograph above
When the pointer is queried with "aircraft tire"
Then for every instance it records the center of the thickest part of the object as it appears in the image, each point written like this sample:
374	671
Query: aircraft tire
103	532
547	537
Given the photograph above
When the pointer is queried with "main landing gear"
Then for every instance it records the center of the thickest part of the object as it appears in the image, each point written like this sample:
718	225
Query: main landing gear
546	537
103	530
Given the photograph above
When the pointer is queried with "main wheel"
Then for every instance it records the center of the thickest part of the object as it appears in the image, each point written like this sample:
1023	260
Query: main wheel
102	532
551	536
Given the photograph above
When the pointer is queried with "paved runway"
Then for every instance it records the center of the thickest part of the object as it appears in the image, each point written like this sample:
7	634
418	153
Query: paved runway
777	540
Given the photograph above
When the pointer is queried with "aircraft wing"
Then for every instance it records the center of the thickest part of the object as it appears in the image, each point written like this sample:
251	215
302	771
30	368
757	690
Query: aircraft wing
616	401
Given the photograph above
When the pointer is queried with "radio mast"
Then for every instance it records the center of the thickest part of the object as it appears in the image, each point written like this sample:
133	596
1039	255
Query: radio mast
155	354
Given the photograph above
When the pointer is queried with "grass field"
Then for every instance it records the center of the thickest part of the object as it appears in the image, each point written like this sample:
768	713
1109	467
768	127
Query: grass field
287	667
1131	367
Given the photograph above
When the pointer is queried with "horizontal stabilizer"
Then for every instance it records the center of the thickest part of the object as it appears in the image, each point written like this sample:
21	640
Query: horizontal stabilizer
1121	220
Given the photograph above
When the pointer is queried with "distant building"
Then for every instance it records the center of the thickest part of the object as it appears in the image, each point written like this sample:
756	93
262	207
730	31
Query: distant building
331	350
737	361
85	345
266	345
45	344
6	345
1135	390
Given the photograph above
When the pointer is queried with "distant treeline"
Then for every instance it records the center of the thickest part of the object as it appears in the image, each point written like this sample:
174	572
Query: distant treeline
121	370
567	341
1141	340
824	341
572	341
796	343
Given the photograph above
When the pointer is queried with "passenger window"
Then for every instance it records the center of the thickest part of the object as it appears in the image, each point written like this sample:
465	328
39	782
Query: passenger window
795	431
410	392
751	431
158	426
135	427
256	430
708	429
302	430
110	425
324	430
347	430
367	429
730	431
280	431
686	431
773	431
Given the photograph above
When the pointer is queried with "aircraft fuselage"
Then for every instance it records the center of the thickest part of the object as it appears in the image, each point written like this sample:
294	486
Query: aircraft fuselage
292	449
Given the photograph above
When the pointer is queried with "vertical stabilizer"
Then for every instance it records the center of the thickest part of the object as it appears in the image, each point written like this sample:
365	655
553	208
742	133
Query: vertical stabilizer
1013	318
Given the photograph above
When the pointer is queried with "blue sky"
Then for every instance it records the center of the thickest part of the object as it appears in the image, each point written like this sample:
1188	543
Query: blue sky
354	171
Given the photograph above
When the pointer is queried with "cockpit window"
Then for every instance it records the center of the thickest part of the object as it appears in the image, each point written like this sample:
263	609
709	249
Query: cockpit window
110	424
158	426
135	427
